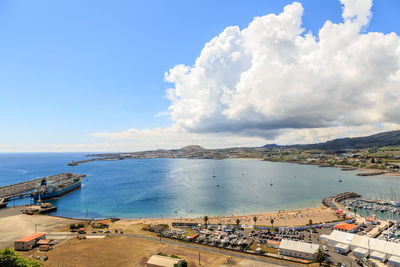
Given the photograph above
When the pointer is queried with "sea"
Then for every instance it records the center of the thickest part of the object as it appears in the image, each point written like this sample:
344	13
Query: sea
174	188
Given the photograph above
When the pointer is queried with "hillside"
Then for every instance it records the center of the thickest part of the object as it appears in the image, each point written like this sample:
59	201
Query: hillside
391	138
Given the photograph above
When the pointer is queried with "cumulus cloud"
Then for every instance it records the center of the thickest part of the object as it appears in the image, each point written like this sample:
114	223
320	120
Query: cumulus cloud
272	77
275	82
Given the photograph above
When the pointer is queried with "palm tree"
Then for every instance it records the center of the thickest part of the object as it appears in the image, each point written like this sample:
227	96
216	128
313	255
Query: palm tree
272	224
310	222
319	256
255	220
237	222
355	213
206	220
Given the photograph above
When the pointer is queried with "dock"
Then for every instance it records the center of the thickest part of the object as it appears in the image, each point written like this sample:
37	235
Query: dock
25	189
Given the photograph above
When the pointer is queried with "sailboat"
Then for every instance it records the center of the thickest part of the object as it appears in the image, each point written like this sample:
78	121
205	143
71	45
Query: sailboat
271	184
214	174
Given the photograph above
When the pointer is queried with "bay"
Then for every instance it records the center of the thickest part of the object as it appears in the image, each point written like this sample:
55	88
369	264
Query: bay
135	188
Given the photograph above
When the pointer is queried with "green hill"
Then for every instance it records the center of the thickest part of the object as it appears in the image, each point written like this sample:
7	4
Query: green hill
391	138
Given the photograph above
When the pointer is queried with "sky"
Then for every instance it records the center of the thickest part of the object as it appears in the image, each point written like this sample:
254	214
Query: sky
117	76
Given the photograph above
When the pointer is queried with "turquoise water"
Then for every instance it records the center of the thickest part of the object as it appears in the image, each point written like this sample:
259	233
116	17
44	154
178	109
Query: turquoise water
185	187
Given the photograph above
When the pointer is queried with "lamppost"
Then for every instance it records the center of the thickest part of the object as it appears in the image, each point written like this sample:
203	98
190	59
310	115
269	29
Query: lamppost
36	224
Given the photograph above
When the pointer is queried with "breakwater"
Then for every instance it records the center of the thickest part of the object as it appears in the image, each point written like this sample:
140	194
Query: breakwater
22	188
331	201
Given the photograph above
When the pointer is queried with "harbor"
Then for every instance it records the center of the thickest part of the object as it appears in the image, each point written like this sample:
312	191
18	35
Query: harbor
41	188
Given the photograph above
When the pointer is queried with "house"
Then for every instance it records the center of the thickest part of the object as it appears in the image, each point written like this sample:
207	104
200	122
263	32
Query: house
297	249
28	242
345	227
163	261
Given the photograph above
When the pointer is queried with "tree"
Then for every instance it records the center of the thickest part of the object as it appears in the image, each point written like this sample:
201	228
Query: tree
8	258
272	223
355	213
72	226
319	256
237	222
310	222
206	219
255	220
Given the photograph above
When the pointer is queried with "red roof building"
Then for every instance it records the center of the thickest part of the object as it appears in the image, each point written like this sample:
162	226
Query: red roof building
347	227
28	242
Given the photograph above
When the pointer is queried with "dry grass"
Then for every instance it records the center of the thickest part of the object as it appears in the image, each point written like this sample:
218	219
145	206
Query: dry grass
120	251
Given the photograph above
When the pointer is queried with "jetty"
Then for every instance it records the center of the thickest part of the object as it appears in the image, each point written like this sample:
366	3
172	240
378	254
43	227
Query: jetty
25	189
75	163
331	201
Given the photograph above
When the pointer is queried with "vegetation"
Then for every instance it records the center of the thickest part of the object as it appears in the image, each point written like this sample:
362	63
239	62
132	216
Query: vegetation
8	258
255	220
319	256
237	222
73	226
272	223
206	220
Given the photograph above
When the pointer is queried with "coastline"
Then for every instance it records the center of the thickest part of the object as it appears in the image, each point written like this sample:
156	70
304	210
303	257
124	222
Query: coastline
289	218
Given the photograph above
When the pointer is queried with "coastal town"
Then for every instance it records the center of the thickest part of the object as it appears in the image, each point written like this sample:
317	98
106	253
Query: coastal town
374	161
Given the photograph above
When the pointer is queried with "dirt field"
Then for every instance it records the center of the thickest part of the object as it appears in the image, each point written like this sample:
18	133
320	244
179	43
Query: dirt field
17	226
121	251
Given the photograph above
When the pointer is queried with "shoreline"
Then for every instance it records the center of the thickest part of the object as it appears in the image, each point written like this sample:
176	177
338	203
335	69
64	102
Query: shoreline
364	171
287	218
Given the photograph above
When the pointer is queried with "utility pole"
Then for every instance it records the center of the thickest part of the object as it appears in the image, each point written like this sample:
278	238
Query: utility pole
199	258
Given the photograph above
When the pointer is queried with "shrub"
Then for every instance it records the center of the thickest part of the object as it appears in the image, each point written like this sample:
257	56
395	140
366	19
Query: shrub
72	226
162	254
80	225
8	258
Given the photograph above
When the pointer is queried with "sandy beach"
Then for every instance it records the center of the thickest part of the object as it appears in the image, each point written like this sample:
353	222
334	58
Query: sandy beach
281	218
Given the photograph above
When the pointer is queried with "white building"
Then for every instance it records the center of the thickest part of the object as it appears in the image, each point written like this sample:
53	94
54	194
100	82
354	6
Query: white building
297	249
394	261
28	242
163	261
360	253
375	255
358	241
342	248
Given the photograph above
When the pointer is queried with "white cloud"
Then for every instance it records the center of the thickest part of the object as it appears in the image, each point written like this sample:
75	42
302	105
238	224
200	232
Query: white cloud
271	77
174	137
358	11
272	82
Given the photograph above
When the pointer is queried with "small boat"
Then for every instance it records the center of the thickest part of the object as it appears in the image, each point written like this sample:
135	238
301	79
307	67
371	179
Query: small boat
271	184
217	185
340	180
214	174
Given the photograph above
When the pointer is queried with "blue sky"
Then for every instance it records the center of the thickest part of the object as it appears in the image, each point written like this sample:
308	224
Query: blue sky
69	69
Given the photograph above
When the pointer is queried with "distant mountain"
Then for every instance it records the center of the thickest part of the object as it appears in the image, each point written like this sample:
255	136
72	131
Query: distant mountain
391	138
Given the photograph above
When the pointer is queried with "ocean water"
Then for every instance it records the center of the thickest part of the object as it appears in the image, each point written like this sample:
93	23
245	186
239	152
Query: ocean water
146	188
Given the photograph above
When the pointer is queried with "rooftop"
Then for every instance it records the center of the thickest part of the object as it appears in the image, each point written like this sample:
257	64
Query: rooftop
158	260
30	237
298	246
345	226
